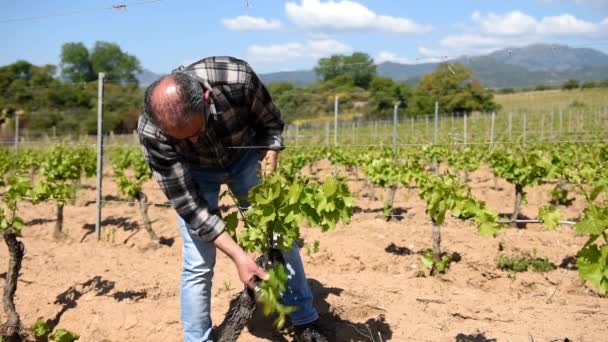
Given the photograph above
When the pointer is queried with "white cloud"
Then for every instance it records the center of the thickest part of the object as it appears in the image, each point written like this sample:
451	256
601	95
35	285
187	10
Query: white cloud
512	23
346	15
594	3
311	49
565	25
469	40
517	23
247	23
491	31
387	56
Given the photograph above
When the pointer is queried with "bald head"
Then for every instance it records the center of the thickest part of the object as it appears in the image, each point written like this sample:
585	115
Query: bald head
174	102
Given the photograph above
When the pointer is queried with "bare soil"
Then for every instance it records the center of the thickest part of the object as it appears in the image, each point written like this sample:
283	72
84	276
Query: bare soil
367	279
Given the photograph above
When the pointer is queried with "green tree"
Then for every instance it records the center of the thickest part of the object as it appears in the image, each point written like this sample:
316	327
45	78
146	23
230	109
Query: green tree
76	63
570	84
360	66
384	93
117	65
453	86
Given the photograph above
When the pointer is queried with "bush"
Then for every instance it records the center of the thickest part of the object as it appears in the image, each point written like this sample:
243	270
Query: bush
513	264
570	85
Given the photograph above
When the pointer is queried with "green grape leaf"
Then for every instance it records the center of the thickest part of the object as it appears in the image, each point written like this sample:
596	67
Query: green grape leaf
41	328
62	335
592	266
550	216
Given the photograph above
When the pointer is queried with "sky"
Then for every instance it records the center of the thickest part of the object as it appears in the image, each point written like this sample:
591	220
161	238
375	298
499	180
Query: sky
274	35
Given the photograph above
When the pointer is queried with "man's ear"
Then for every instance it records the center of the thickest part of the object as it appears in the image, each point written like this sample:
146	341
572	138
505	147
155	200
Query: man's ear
206	96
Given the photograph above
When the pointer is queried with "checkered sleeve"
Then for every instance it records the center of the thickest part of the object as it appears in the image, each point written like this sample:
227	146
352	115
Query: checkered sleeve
267	117
176	182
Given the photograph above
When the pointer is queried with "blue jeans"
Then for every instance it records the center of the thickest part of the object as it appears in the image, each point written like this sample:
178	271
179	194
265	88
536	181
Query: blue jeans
199	256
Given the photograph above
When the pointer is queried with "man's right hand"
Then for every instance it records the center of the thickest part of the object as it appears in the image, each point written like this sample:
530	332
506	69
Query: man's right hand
249	271
247	268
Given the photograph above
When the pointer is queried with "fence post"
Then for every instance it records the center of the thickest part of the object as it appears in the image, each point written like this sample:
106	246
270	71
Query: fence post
336	121
327	134
375	130
297	135
353	127
426	127
492	128
436	136
412	126
510	126
525	123
99	153
465	129
395	123
561	122
542	126
552	124
16	132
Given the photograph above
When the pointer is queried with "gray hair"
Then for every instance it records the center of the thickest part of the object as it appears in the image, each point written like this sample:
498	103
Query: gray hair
171	114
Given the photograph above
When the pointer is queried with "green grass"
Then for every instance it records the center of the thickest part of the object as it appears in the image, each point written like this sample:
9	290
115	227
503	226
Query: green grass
522	264
552	100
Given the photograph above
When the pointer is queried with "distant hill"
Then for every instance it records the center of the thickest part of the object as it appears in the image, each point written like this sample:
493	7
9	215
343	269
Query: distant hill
551	57
301	78
511	67
146	77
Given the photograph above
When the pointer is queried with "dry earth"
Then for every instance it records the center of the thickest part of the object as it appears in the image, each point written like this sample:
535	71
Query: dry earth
366	276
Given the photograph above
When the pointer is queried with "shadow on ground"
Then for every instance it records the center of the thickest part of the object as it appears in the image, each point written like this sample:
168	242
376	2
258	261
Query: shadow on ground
332	324
69	298
473	338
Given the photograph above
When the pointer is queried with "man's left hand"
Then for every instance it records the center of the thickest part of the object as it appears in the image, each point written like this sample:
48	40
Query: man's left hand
268	159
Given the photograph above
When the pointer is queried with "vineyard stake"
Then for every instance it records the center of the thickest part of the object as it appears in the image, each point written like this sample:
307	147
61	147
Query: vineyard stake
99	153
336	121
395	113
436	137
327	134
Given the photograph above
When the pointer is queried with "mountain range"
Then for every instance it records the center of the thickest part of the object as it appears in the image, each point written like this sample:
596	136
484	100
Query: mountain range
548	64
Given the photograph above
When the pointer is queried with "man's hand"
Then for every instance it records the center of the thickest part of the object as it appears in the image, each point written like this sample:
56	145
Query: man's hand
249	271
268	159
247	268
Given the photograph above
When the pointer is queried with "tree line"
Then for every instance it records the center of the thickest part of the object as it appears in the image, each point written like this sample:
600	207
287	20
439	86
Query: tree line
65	96
364	94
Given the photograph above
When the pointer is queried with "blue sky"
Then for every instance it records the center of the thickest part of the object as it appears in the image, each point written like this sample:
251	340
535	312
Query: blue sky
276	35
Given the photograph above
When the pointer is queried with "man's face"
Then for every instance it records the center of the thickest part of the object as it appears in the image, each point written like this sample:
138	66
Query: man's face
192	130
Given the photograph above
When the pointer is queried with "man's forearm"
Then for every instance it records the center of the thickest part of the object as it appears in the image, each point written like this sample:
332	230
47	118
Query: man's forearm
225	243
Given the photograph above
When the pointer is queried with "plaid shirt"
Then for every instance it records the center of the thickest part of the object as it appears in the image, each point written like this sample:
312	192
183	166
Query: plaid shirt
241	114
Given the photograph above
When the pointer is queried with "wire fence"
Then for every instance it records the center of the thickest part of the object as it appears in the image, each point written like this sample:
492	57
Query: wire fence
400	131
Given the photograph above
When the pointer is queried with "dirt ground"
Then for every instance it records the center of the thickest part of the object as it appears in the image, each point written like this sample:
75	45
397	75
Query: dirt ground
366	277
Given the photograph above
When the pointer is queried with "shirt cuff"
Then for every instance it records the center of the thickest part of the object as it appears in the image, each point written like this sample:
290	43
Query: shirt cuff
273	142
